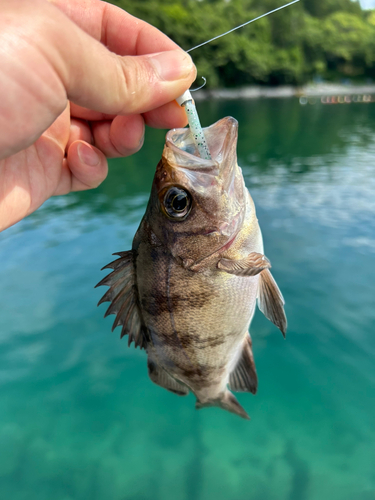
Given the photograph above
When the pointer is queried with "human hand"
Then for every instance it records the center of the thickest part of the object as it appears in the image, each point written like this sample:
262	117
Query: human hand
77	86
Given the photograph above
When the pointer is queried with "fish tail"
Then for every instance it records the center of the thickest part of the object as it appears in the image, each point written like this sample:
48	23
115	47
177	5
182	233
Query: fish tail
227	402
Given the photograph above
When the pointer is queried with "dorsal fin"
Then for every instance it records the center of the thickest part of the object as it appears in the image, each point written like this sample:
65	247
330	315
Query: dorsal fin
271	302
251	265
244	377
160	377
123	297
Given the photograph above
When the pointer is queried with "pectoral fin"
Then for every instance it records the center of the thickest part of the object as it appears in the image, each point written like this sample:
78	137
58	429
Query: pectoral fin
160	377
271	302
251	265
244	376
123	297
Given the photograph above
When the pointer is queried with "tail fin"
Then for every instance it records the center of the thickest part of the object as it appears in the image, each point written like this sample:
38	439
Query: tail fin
227	402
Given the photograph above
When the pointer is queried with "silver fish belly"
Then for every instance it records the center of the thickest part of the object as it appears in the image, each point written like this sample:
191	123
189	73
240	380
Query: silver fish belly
188	289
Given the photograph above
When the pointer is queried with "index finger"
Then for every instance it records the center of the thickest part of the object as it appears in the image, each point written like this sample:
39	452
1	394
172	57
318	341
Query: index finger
118	30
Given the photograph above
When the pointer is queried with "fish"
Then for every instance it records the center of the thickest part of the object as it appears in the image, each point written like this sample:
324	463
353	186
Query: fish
187	290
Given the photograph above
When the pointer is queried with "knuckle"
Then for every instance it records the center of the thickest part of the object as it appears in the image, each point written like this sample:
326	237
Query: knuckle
132	76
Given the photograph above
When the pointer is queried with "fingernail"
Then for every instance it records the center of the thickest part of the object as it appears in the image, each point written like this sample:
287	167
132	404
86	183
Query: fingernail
172	65
87	155
141	141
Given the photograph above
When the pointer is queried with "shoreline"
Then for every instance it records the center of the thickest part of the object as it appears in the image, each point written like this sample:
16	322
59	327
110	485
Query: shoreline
310	90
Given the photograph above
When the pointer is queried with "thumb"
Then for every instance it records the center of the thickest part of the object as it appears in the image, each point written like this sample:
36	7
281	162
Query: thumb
116	84
98	79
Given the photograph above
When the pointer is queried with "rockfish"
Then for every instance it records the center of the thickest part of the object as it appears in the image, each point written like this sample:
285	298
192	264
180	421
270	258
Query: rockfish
186	292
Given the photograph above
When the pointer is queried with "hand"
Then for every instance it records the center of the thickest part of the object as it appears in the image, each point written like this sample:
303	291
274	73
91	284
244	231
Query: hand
78	81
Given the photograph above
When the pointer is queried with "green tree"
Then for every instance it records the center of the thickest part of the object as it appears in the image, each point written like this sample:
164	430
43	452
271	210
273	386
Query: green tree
330	38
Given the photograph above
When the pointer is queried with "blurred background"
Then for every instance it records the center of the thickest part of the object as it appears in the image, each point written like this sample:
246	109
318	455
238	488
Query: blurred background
314	39
79	418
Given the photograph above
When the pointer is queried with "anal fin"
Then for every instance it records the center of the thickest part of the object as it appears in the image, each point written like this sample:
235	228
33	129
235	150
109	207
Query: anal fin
271	301
227	401
244	377
160	377
251	265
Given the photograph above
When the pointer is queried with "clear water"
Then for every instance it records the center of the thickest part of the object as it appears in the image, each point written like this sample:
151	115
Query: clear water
79	419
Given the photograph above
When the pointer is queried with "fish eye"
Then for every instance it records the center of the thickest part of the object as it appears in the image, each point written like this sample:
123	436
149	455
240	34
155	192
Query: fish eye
177	203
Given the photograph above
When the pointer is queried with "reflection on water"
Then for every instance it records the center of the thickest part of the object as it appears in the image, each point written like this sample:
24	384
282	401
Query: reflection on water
79	418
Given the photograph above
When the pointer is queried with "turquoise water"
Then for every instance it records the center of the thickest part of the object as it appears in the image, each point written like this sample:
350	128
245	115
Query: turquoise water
79	418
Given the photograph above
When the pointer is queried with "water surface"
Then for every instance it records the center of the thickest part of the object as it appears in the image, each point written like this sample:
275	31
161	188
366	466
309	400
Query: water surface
79	418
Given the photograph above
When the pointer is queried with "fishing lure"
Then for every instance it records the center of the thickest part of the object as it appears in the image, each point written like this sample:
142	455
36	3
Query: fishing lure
199	139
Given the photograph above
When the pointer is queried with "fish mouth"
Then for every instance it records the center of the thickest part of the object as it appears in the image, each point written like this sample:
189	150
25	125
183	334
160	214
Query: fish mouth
221	137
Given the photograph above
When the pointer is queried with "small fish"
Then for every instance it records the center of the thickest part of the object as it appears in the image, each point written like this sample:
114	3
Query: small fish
187	291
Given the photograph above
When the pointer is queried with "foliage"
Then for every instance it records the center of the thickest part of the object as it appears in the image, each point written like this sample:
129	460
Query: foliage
315	38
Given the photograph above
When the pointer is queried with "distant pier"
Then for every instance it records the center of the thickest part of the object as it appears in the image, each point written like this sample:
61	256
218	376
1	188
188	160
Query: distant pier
308	94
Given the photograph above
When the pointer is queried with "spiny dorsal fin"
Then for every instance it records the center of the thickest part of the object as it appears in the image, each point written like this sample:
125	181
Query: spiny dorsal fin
271	302
244	377
123	297
251	265
160	377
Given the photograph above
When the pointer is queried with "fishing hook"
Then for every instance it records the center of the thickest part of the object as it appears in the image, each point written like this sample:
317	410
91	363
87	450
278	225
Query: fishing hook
201	87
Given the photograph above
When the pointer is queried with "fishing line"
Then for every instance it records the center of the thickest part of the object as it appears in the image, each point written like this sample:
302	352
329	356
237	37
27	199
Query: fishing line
201	87
187	101
242	25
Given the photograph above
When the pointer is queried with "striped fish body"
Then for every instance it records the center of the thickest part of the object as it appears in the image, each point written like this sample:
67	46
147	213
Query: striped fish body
188	289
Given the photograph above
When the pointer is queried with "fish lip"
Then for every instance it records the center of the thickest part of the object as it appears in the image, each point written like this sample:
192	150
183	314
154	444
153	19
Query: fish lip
178	152
221	139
